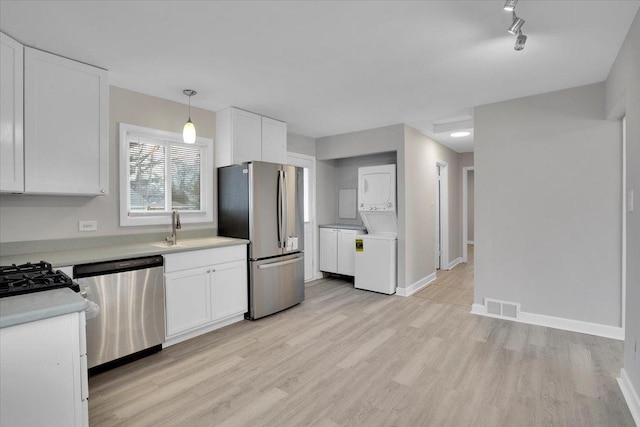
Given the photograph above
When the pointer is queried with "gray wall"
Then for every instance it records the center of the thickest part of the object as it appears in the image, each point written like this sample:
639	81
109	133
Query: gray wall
465	159
548	205
28	218
623	97
361	143
301	144
421	154
347	177
416	157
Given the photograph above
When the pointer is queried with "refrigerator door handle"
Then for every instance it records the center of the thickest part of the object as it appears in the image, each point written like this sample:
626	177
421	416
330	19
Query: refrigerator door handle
286	210
279	208
278	264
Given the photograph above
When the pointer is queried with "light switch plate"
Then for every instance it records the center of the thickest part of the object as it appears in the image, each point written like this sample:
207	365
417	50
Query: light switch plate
87	225
630	201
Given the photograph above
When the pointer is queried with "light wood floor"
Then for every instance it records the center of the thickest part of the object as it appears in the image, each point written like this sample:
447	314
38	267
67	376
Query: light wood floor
347	357
454	286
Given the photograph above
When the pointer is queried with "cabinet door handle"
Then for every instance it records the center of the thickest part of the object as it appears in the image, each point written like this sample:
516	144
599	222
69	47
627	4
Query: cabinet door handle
208	271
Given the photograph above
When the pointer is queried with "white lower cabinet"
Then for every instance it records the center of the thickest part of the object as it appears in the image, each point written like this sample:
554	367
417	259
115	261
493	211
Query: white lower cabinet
188	299
337	250
44	373
229	297
204	290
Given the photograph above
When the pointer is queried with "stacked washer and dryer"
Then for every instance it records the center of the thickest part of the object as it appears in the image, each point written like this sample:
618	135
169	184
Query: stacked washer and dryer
376	252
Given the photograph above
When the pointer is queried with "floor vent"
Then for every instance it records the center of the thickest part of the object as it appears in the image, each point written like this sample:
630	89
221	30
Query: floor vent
502	308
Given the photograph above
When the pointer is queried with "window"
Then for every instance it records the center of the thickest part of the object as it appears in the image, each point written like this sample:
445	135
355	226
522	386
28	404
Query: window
160	173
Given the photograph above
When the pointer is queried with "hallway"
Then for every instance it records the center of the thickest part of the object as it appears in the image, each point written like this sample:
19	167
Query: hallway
454	286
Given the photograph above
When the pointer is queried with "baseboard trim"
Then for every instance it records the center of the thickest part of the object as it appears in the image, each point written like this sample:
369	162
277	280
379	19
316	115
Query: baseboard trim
205	329
454	263
630	395
415	287
597	329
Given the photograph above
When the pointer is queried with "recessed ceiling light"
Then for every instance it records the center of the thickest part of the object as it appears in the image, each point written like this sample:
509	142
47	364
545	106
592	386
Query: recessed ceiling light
460	134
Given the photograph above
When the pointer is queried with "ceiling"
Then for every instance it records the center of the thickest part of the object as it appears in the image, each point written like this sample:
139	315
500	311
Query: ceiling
328	67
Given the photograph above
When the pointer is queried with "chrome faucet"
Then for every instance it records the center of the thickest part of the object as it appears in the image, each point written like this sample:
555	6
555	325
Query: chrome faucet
175	225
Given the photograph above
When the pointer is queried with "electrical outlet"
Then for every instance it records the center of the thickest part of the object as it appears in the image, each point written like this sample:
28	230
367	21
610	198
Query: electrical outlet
87	225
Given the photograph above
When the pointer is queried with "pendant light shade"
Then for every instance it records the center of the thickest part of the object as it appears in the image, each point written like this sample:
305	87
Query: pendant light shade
189	130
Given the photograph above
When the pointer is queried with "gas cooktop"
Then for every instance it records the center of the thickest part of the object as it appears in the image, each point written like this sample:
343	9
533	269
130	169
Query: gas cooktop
28	278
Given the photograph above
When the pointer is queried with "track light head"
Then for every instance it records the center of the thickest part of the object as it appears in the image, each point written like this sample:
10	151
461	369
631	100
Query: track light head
510	5
516	25
520	41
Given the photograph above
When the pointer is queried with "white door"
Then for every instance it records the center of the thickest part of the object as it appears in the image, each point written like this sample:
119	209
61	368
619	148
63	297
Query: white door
346	252
310	229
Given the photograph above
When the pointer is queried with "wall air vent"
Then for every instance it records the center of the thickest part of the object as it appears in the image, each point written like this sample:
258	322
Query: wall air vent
494	307
502	308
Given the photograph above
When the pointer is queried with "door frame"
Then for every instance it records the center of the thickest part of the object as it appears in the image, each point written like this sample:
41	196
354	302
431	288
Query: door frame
442	220
624	222
315	266
465	209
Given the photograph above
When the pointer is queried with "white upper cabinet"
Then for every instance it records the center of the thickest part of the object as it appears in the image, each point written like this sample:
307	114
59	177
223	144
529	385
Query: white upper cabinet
66	119
274	141
11	102
242	136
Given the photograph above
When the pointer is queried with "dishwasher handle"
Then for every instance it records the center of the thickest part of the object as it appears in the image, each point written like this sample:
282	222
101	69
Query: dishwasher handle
117	266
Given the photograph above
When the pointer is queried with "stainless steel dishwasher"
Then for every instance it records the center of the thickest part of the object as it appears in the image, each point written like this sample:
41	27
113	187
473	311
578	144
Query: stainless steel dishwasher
130	294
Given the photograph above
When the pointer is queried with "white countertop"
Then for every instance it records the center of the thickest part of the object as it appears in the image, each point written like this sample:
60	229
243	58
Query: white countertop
344	226
106	253
39	305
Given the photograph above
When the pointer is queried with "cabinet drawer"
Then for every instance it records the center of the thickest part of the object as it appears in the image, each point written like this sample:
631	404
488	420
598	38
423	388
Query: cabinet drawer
194	259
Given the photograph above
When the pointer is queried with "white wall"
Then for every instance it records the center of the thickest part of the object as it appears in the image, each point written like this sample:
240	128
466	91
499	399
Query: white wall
623	97
29	218
548	179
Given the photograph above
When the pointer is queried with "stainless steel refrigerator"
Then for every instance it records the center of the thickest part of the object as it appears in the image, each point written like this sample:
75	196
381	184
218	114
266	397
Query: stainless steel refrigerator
263	202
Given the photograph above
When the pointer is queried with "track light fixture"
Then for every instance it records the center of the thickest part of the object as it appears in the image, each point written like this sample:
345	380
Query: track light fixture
516	26
510	5
520	41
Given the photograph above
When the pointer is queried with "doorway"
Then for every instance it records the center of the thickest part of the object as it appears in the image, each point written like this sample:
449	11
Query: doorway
308	163
442	216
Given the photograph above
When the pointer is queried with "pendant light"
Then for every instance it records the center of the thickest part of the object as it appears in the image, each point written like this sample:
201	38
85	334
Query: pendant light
189	130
